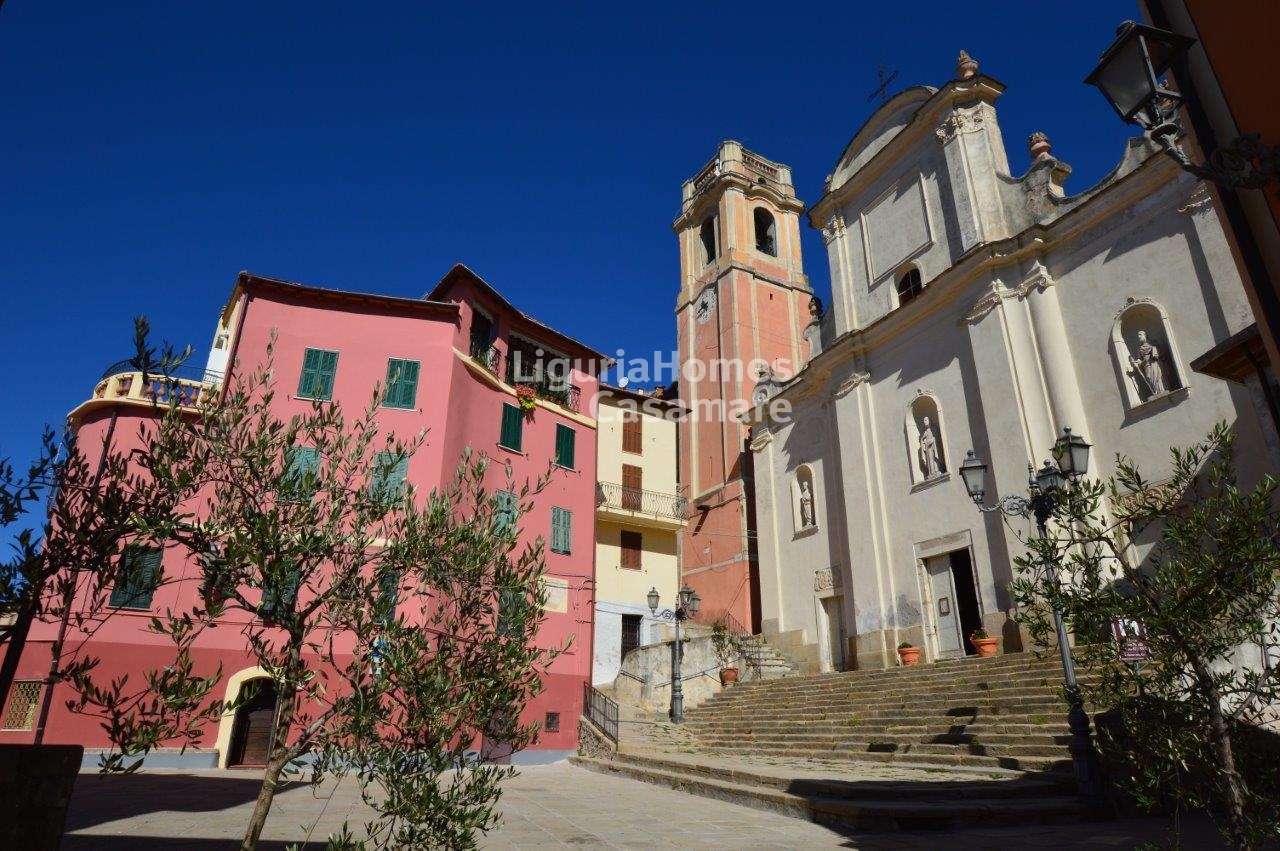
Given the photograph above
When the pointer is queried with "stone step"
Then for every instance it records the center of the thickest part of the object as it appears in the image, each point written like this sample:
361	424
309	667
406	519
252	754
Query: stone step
951	758
856	701
1024	706
827	804
1049	740
810	686
886	745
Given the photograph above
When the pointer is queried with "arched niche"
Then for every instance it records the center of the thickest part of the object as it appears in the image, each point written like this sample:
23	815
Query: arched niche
925	441
804	499
1145	354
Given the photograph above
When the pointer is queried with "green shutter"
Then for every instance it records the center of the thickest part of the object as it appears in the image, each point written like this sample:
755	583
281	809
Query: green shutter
504	510
565	439
303	466
280	595
137	578
389	474
388	595
510	602
402	383
318	368
512	428
561	530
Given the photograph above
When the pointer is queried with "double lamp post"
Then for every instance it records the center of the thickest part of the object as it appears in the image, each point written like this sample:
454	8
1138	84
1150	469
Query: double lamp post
1046	485
687	604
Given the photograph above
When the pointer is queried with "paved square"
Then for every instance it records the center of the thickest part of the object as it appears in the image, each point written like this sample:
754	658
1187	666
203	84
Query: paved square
552	806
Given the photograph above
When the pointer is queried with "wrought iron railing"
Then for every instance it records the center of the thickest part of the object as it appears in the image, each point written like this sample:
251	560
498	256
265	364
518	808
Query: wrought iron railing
611	495
600	710
487	355
554	390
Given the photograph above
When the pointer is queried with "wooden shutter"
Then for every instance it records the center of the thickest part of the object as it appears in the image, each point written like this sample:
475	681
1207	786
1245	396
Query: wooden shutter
318	369
632	432
632	486
402	383
512	436
565	440
561	530
389	474
137	578
299	478
505	509
632	544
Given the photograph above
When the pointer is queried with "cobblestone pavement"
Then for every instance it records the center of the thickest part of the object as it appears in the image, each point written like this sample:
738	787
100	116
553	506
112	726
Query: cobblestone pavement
552	806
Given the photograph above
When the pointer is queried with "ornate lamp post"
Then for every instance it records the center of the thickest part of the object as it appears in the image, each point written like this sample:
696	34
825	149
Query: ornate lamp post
1046	485
687	604
1129	77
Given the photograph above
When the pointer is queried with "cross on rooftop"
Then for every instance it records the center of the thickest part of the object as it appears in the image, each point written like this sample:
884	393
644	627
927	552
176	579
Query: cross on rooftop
883	89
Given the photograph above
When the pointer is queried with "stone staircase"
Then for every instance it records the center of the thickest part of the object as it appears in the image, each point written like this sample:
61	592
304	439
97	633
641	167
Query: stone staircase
1005	712
960	743
764	662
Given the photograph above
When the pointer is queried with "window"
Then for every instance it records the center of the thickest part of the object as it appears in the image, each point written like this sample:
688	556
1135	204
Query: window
632	544
553	722
565	440
630	633
512	612
20	714
561	530
388	480
402	384
766	232
301	475
318	369
504	510
632	432
388	593
280	594
707	237
481	333
512	436
910	285
632	487
137	578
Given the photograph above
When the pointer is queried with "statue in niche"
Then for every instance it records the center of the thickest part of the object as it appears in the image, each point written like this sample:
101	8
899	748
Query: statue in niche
1146	369
806	504
930	464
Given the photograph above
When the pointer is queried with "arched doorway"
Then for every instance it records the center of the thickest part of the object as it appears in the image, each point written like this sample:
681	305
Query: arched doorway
251	731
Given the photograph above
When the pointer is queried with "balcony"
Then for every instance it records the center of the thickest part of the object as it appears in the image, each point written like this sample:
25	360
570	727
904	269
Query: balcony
639	507
123	383
546	388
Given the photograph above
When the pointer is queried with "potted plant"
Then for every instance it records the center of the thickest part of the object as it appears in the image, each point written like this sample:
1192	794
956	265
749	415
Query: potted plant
527	398
983	643
909	654
726	652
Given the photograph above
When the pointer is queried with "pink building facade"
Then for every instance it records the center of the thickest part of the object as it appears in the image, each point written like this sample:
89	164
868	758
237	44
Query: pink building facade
462	337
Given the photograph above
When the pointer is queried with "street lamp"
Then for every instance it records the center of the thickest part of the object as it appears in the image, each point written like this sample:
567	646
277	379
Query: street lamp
1129	75
1046	485
687	604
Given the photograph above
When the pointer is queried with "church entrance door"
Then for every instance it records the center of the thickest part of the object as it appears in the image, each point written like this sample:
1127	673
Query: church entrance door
831	637
946	613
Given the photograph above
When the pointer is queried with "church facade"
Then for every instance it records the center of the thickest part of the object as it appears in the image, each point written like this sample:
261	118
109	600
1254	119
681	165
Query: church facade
970	309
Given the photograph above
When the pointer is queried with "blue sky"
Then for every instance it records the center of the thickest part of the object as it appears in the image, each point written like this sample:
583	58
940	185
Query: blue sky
154	149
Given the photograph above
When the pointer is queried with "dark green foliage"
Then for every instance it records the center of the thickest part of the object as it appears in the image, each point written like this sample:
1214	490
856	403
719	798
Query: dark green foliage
1194	558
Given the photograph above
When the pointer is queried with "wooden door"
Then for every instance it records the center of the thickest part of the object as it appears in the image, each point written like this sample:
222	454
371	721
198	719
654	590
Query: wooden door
946	611
632	486
255	720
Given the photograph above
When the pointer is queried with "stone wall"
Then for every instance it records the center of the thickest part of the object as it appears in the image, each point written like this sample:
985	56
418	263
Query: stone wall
645	678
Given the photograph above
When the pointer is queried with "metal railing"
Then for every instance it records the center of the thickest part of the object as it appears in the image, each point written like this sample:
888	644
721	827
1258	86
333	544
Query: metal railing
552	390
612	495
600	710
487	355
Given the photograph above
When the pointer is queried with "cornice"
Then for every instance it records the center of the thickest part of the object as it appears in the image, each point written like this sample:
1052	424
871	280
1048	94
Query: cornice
728	181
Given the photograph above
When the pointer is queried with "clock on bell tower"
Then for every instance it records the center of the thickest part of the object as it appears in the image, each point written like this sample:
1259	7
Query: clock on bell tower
744	300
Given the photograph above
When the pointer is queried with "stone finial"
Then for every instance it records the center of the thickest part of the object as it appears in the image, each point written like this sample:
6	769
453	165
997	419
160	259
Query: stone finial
966	66
1039	146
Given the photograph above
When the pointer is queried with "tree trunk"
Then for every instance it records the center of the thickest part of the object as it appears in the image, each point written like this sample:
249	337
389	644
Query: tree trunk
1220	739
276	762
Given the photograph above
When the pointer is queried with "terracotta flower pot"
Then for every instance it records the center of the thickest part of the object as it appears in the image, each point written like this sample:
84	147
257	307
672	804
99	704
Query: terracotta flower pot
909	655
728	675
985	646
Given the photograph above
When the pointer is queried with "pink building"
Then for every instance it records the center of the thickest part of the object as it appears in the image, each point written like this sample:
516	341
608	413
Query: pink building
457	344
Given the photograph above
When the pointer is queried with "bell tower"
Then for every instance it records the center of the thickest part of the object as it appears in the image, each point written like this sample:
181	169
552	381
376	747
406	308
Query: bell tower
744	303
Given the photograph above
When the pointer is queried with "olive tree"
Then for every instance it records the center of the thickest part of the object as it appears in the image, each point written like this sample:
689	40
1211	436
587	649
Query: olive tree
1195	559
397	626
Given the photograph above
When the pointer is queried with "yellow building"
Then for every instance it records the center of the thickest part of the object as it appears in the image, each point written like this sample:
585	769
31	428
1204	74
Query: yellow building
639	515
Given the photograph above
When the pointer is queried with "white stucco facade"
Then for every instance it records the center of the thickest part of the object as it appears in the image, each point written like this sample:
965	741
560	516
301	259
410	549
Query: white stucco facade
1027	322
